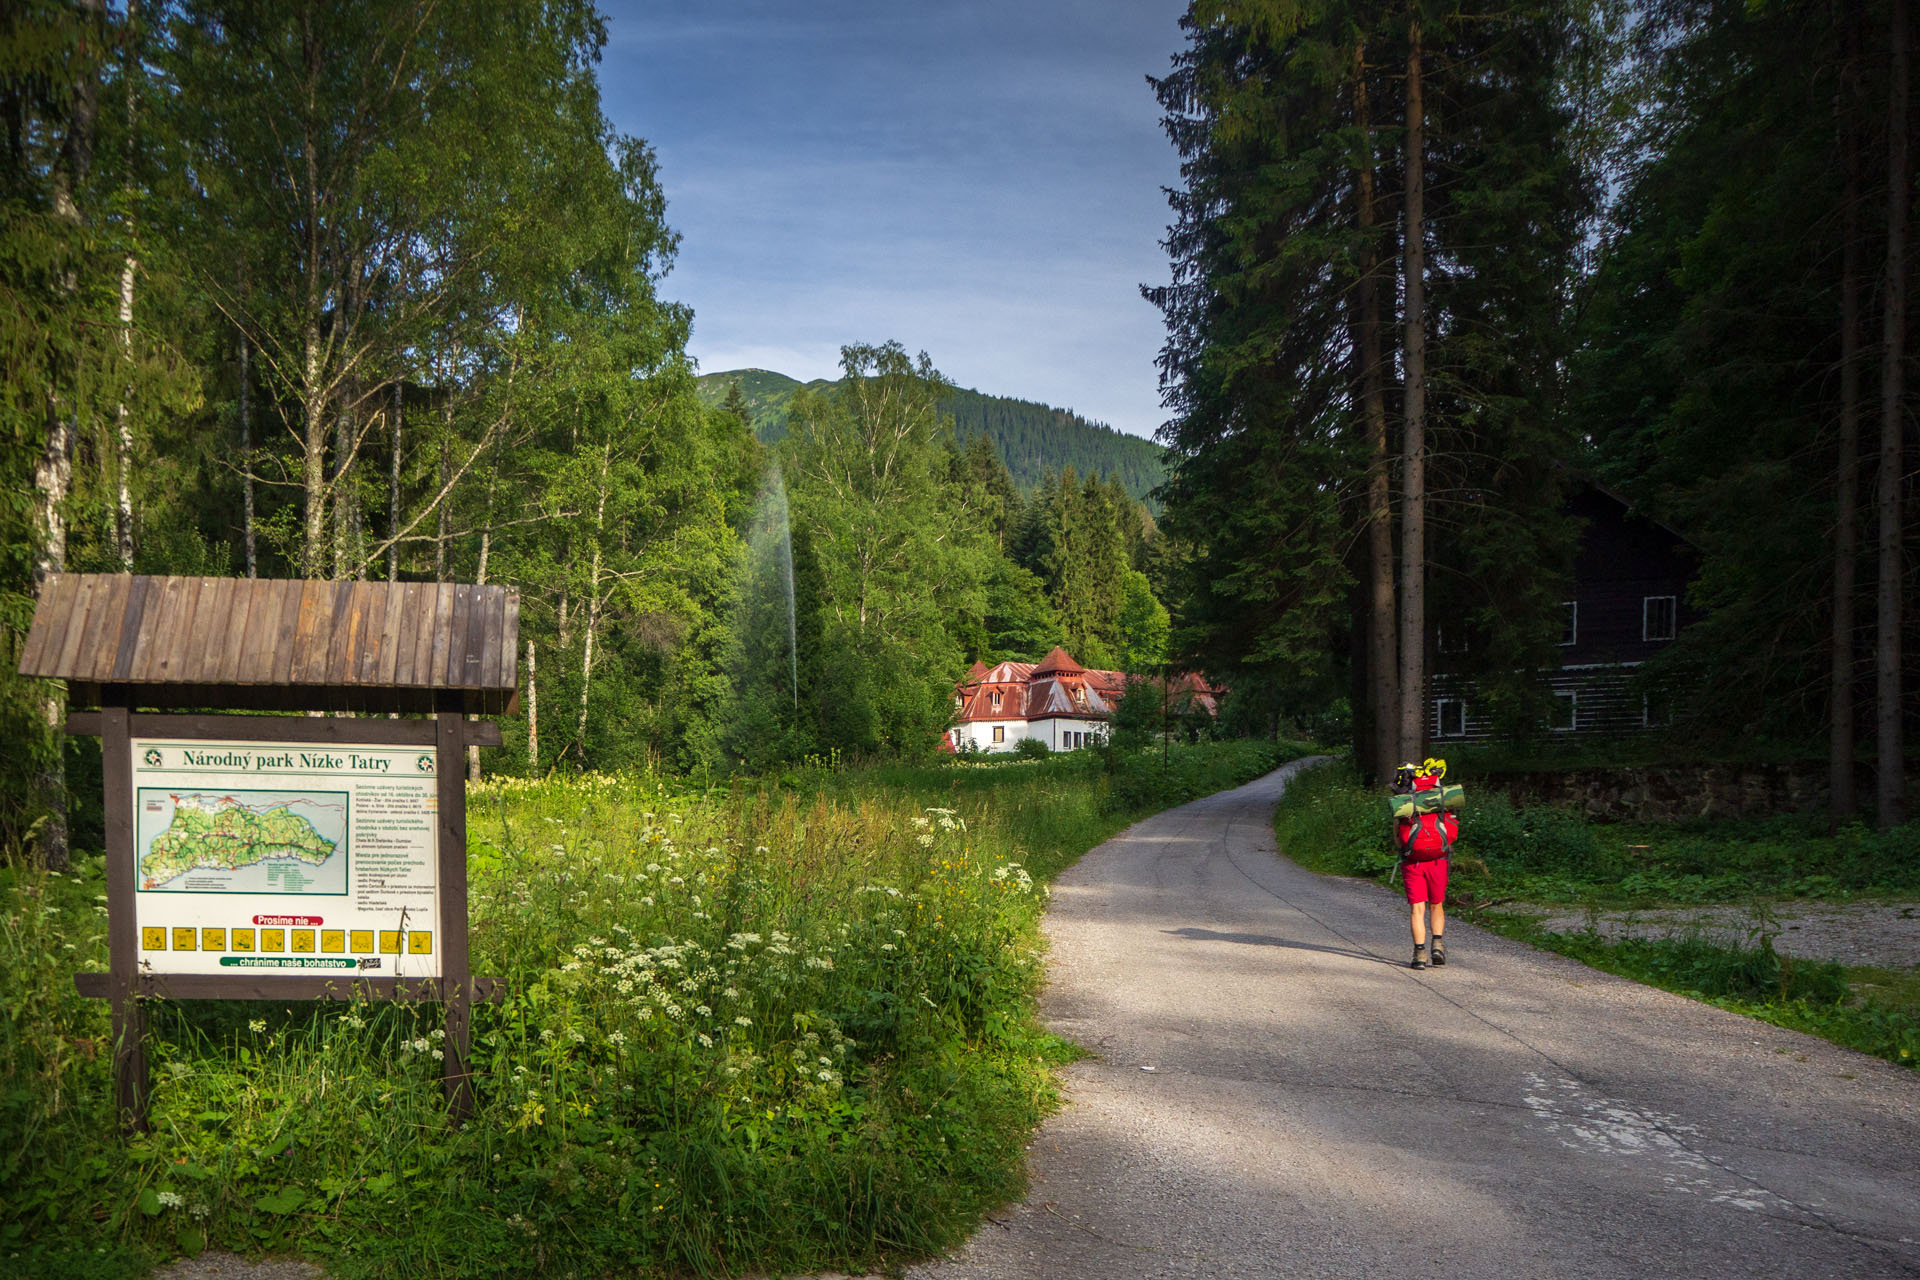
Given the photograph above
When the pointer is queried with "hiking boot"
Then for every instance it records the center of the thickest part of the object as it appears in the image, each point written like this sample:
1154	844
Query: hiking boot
1439	953
1419	958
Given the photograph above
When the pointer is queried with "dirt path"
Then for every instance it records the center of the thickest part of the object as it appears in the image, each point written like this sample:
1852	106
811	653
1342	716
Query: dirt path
1886	934
1276	1094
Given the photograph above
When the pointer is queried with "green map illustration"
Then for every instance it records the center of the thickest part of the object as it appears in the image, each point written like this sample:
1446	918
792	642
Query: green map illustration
241	841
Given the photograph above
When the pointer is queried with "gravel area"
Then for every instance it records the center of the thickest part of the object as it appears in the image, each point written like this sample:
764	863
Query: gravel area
1886	934
216	1265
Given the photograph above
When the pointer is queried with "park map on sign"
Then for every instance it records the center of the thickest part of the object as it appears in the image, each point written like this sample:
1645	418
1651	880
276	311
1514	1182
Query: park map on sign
244	842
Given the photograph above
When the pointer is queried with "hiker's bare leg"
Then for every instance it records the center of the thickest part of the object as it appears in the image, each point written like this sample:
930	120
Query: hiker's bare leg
1419	924
1439	918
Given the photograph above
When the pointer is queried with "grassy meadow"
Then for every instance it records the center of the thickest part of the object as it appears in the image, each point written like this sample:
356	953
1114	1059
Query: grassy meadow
774	1026
1551	857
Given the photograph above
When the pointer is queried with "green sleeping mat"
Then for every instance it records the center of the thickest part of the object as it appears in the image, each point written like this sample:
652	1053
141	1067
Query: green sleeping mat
1431	800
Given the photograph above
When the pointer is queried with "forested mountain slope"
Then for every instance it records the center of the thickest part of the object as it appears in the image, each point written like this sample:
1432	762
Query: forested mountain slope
1032	439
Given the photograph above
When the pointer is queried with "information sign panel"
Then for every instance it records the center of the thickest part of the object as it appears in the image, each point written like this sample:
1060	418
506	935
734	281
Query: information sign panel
258	857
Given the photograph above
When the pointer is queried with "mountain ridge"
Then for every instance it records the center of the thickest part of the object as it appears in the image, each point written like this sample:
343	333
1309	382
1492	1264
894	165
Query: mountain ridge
1032	438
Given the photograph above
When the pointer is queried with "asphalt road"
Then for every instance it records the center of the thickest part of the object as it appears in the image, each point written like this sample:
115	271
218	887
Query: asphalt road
1274	1093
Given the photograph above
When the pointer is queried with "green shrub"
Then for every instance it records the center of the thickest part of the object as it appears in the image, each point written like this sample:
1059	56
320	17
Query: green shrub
1814	996
1329	822
1156	778
1031	749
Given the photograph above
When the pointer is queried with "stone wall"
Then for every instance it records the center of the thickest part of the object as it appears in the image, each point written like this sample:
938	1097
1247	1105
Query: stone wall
1663	793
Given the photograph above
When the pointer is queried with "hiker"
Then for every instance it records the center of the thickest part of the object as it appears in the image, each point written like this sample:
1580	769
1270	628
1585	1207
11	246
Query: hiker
1426	832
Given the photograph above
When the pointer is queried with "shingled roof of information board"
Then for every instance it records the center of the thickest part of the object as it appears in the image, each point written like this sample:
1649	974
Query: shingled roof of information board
278	645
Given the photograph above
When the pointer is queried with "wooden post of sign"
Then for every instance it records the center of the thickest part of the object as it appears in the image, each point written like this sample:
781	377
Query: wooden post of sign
123	943
456	979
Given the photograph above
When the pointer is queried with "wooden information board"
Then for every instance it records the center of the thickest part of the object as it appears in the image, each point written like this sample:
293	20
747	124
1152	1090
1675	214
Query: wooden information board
281	857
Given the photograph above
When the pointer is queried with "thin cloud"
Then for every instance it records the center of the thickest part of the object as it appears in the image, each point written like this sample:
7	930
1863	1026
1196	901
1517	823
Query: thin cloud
982	181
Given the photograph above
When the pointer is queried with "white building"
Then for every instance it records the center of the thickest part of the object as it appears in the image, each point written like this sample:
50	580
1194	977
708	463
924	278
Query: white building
1058	701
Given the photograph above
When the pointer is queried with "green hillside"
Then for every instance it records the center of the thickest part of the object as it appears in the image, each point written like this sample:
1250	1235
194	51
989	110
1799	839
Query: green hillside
1032	438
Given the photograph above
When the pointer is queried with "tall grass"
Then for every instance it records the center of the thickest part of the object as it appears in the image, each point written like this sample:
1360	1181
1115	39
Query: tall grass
778	1027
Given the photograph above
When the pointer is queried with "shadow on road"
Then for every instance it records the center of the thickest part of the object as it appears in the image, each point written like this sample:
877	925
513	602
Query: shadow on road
1261	940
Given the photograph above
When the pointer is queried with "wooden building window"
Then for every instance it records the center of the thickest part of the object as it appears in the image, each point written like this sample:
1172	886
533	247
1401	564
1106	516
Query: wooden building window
1657	617
1450	718
995	697
1565	715
1570	625
999	733
1653	711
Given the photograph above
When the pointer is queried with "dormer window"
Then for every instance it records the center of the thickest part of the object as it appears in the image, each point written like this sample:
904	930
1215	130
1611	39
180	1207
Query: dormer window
994	697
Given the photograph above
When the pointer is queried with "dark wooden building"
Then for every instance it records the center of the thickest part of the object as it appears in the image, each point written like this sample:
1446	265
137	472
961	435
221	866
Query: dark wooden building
1627	602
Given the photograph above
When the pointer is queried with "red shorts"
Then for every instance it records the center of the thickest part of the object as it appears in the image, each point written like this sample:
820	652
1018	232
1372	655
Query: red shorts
1426	881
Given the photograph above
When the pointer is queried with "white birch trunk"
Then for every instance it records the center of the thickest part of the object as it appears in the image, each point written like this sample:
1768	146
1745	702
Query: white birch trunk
247	459
393	489
533	710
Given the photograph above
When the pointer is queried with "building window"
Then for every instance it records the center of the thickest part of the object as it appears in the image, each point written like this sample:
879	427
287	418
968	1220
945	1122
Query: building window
1570	625
995	696
1565	715
1653	711
999	733
1657	617
1450	718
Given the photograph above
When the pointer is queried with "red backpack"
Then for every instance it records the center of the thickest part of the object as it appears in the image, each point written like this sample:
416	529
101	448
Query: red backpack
1427	836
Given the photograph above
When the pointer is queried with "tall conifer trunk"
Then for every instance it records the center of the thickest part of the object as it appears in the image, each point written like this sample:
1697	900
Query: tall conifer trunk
1847	479
1382	657
53	472
1413	518
1890	777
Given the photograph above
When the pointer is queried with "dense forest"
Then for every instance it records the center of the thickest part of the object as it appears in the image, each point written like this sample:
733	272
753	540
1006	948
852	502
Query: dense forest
1034	440
1437	265
374	290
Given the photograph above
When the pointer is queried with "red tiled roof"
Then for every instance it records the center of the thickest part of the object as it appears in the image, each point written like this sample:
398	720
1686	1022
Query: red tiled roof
1058	686
1057	660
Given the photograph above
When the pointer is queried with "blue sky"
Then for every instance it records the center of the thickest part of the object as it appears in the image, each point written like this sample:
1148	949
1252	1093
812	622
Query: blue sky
981	181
